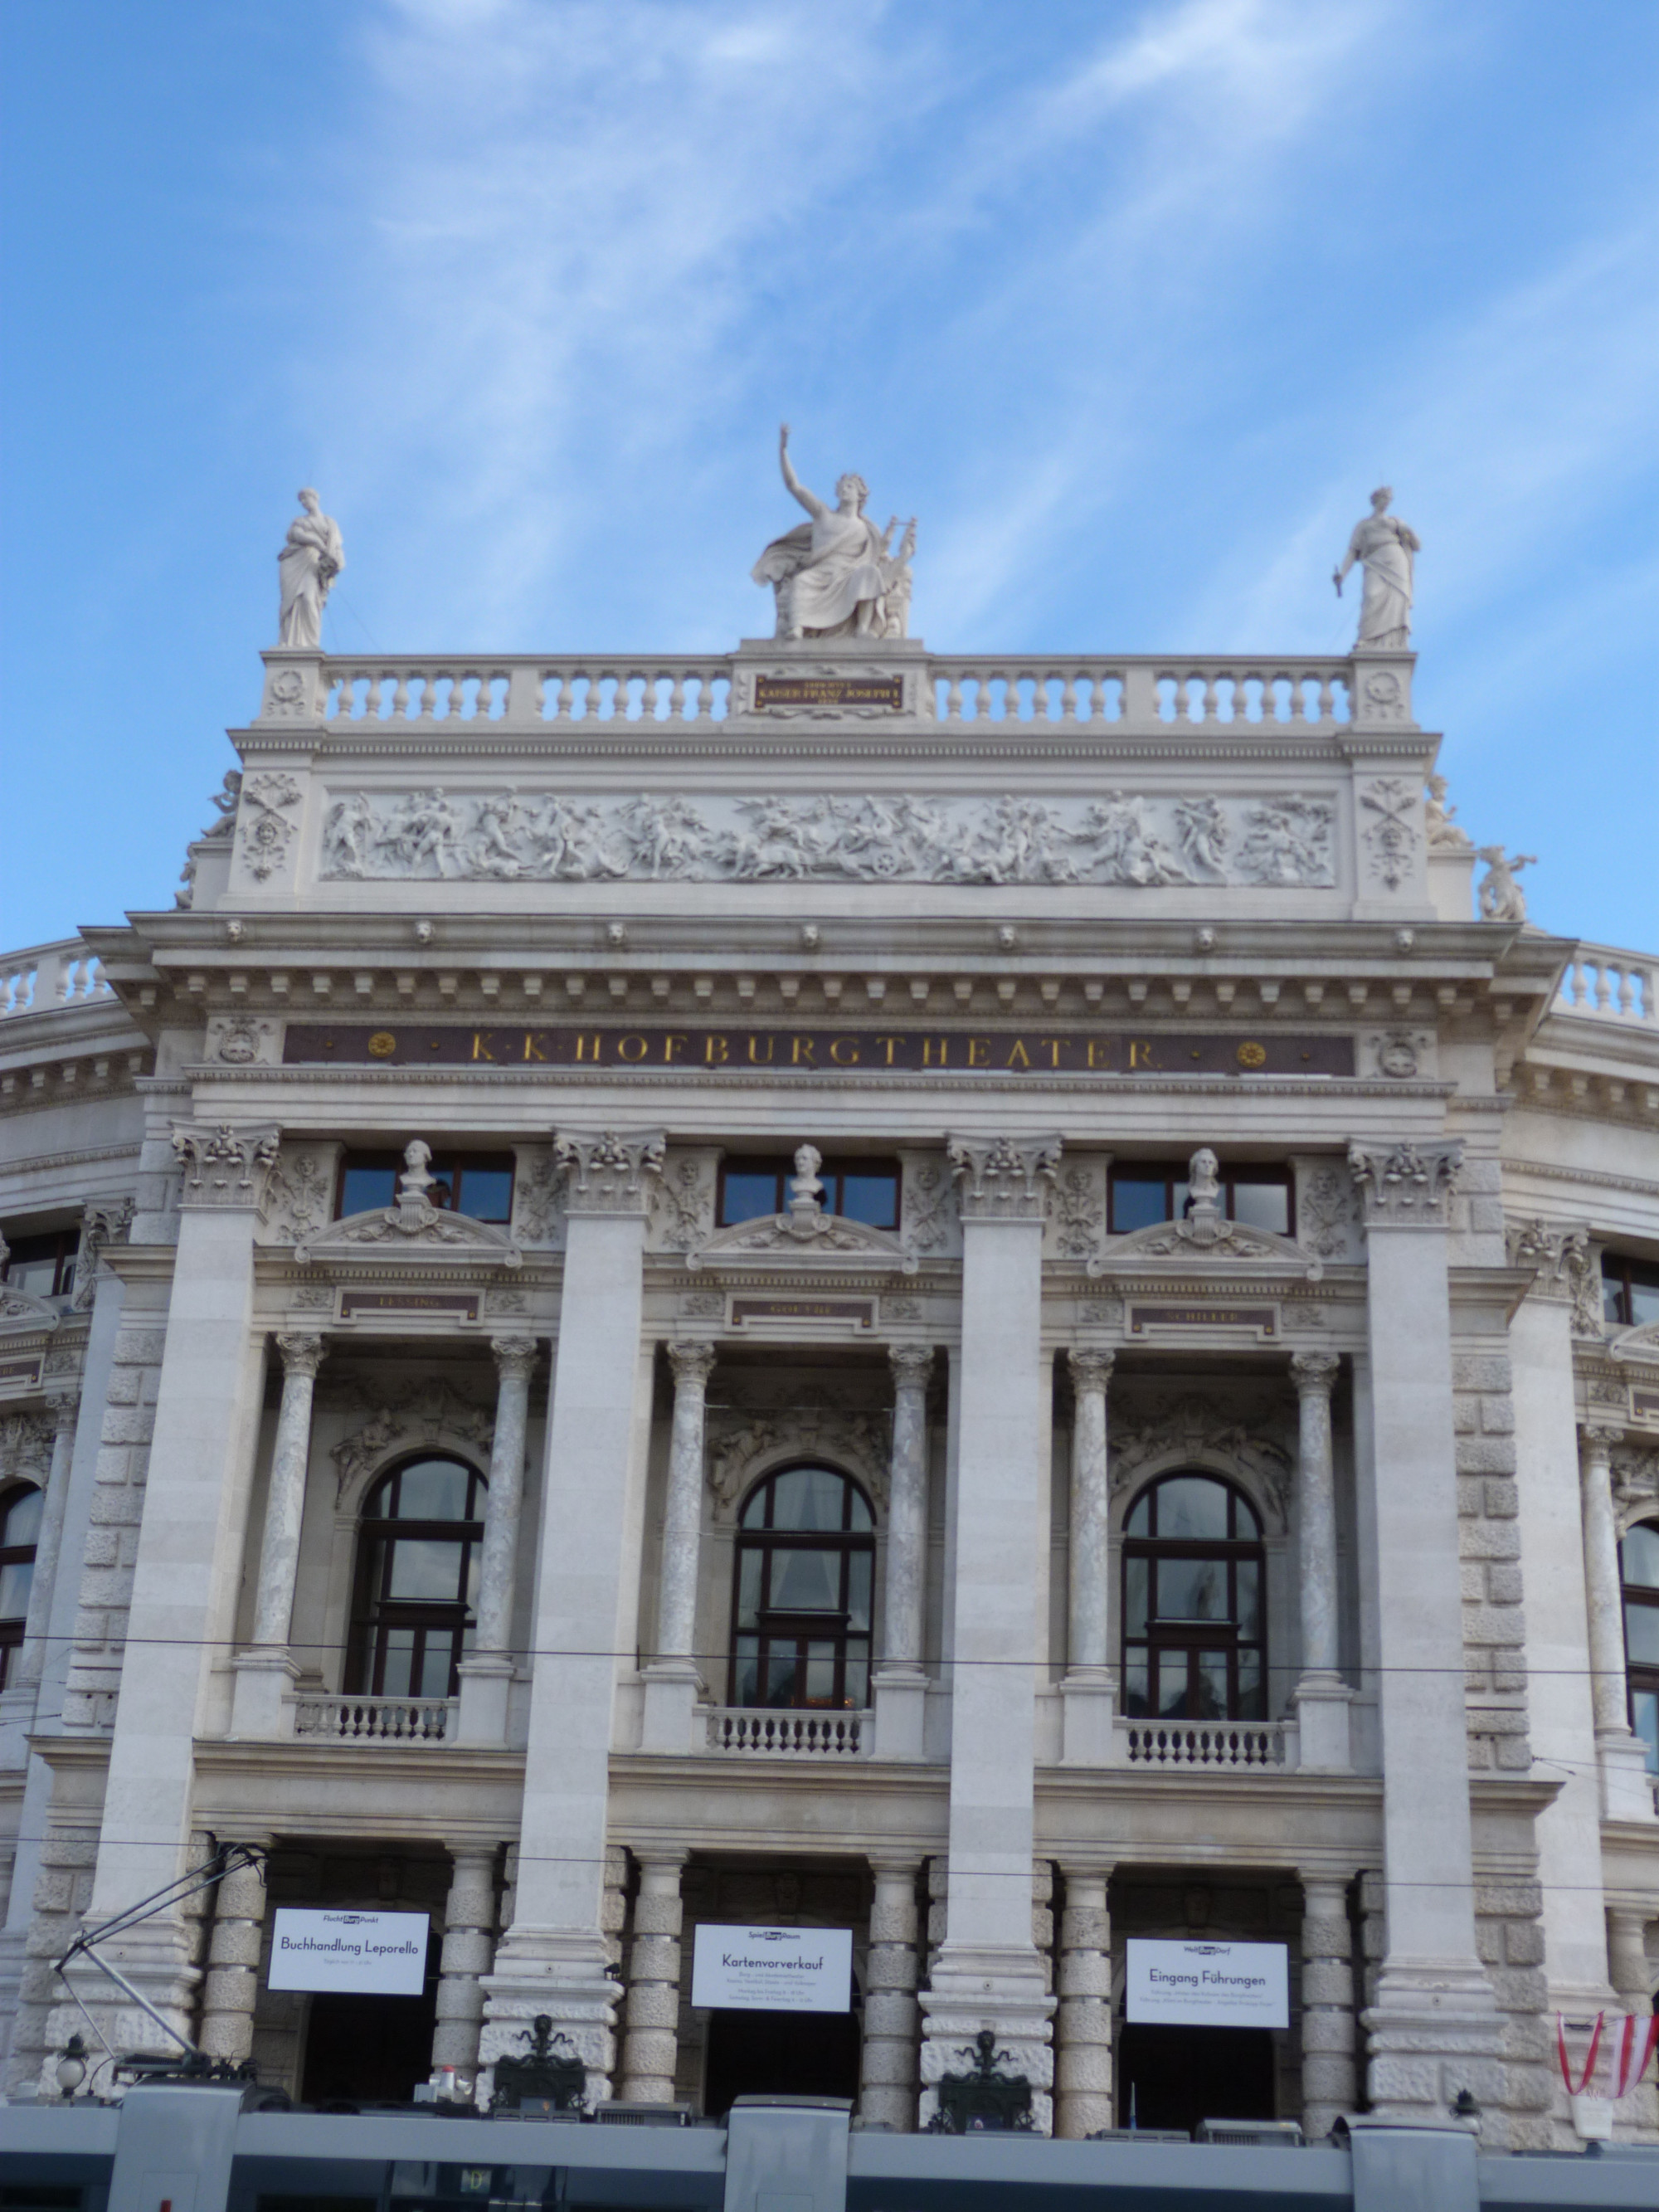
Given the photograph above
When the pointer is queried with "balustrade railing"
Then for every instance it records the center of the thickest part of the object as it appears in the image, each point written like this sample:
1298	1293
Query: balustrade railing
43	976
1609	984
1132	692
1209	1744
790	1734
374	1720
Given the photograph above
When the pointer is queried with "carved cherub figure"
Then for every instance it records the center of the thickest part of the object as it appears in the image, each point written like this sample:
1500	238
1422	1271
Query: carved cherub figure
1502	898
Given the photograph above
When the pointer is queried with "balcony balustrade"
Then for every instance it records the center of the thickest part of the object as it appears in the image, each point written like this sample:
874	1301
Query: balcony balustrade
790	1734
328	1719
42	977
1214	1746
1608	985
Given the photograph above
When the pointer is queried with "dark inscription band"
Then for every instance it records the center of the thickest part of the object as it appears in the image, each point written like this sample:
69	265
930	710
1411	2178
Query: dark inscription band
1645	1403
456	1305
20	1373
860	1311
1035	1052
830	692
1264	1319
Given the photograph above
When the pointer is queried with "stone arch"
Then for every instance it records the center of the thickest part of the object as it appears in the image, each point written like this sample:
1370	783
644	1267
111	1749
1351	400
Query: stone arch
851	1444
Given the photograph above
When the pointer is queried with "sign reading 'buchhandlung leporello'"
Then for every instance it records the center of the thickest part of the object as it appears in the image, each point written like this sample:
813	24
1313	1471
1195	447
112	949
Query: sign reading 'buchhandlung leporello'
374	1954
1207	1984
772	1969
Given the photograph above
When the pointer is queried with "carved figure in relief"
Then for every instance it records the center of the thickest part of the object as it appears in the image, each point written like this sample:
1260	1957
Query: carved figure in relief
487	845
348	833
666	835
1384	546
1502	898
311	558
225	800
1131	850
831	575
1287	842
1204	830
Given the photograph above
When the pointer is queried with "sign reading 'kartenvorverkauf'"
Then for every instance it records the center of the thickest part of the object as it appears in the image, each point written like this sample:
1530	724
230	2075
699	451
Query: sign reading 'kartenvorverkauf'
374	1953
772	1969
1207	1984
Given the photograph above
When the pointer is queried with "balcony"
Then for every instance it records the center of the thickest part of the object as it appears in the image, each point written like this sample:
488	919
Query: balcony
749	1731
402	1720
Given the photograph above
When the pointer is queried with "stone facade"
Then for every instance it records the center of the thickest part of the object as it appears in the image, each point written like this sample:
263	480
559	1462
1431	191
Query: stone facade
640	935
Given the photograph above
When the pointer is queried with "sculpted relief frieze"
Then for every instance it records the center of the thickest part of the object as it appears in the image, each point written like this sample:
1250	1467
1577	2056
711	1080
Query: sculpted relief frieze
1284	840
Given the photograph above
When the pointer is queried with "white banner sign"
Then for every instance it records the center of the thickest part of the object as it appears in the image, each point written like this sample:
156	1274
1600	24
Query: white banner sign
1207	1984
381	1954
772	1969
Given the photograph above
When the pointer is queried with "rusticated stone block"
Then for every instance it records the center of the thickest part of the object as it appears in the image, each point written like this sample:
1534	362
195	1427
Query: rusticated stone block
890	2012
1502	1500
1485	1455
1504	1583
1472	1582
1520	1989
1466	1412
1405	2081
1481	1370
1481	1538
1471	1499
1327	1982
123	1388
1514	1754
128	1424
653	2005
1331	2032
1497	1416
656	1958
1493	1624
1510	1900
102	1547
892	1967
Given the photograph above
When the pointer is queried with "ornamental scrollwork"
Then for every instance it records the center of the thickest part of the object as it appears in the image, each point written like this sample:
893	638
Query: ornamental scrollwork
1391	836
1405	1183
266	830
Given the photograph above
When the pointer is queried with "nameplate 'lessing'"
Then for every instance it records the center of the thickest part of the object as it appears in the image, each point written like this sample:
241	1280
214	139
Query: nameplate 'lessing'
619	1047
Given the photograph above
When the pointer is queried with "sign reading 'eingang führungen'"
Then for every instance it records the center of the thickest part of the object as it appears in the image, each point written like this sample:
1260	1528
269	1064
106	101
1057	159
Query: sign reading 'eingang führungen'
736	1050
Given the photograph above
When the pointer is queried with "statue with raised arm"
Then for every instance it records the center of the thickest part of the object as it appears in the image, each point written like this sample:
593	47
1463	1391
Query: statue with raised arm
1383	546
307	564
832	577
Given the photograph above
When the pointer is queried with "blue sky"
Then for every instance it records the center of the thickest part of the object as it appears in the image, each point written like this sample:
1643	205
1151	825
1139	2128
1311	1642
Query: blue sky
1131	303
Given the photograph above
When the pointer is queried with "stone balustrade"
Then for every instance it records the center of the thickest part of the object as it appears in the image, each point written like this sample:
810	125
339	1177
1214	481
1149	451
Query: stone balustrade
1128	692
791	1734
1213	1745
329	1719
1608	985
42	977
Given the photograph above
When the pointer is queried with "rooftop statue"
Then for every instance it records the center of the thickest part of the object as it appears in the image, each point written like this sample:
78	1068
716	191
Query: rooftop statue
1502	898
1384	545
834	576
307	564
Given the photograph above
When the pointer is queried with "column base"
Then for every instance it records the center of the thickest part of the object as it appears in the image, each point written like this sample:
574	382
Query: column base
1434	2031
901	1694
979	1987
1088	1706
263	1705
672	1687
1627	1787
1322	1702
486	1684
560	1971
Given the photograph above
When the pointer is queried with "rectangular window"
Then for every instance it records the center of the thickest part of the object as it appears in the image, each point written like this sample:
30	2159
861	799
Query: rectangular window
1630	1290
476	1183
857	1189
1146	1192
42	1266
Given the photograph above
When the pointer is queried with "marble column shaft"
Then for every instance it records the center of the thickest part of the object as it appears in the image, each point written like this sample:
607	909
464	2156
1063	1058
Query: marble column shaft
1083	2027
1328	2079
682	1535
515	1361
469	1951
652	2012
887	2081
1314	1375
907	1514
302	1354
1602	1589
232	1987
49	1542
1088	1643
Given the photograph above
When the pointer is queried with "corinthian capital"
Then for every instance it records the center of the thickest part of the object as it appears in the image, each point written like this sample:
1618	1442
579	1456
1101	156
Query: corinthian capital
1090	1369
912	1364
303	1352
1314	1371
225	1167
608	1171
1405	1186
516	1356
693	1363
1002	1178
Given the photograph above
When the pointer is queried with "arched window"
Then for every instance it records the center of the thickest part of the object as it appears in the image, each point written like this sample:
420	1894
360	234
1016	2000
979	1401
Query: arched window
801	1596
417	1575
1638	1560
20	1531
1194	1631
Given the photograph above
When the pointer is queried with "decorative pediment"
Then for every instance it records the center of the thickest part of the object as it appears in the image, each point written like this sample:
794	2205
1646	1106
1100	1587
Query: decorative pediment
1640	1343
412	1224
1204	1238
806	1233
19	1312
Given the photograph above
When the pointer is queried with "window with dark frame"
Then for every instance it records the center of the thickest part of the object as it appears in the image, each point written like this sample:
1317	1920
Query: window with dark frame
42	1266
418	1548
1193	1610
1638	1568
803	1589
20	1532
1630	1290
865	1190
479	1184
1145	1192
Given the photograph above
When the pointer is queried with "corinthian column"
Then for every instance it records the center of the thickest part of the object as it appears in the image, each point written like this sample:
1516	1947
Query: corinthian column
487	1674
1321	1698
901	1684
1627	1792
48	1541
264	1673
1087	1687
672	1678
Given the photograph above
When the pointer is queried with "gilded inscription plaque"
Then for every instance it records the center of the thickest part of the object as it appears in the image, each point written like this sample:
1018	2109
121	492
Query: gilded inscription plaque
830	692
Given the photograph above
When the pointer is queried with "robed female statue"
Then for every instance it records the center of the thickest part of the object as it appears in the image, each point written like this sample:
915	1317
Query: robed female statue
307	564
